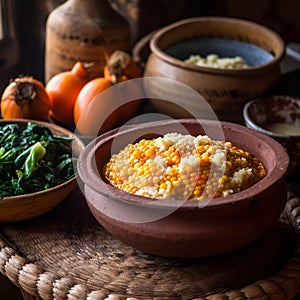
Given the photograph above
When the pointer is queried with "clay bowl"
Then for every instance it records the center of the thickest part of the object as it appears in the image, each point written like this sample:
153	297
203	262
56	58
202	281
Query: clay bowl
273	109
186	228
226	90
29	206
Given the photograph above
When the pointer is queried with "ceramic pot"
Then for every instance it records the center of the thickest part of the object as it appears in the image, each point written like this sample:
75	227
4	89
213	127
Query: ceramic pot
225	90
192	228
83	30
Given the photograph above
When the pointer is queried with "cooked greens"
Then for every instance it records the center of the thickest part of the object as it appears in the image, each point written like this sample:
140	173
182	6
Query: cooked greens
32	159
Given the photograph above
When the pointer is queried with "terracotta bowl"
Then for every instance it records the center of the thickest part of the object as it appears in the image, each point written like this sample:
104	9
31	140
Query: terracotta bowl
283	109
226	90
186	228
29	206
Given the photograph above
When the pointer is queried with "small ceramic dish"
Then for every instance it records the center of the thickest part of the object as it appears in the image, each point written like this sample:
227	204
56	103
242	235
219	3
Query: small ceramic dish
190	228
277	116
29	206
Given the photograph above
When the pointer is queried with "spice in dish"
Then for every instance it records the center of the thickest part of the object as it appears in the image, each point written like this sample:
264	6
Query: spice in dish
282	128
177	166
214	61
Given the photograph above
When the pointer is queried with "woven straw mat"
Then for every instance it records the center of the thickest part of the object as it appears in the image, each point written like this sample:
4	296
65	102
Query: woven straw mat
66	254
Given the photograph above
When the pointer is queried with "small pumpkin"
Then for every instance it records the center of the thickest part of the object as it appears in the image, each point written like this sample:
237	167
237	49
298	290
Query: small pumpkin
25	98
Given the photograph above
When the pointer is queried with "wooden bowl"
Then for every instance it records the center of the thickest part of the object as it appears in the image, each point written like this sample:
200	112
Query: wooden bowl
29	206
186	228
226	90
282	109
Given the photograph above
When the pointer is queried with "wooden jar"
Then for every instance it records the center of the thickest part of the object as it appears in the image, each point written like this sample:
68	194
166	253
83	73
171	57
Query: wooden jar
83	30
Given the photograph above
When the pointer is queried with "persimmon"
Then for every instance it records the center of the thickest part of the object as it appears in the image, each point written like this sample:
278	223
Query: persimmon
63	89
121	64
101	105
110	100
25	98
88	94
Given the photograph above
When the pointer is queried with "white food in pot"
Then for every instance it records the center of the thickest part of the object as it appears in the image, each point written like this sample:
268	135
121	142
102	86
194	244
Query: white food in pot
214	61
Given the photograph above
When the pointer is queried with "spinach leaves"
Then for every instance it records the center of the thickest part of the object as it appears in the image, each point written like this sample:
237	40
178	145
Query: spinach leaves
32	159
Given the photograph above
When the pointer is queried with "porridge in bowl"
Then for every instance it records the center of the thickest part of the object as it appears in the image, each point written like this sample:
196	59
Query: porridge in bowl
177	166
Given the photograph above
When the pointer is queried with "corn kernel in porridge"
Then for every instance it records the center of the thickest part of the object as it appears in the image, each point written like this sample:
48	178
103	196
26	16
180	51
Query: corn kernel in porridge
177	166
